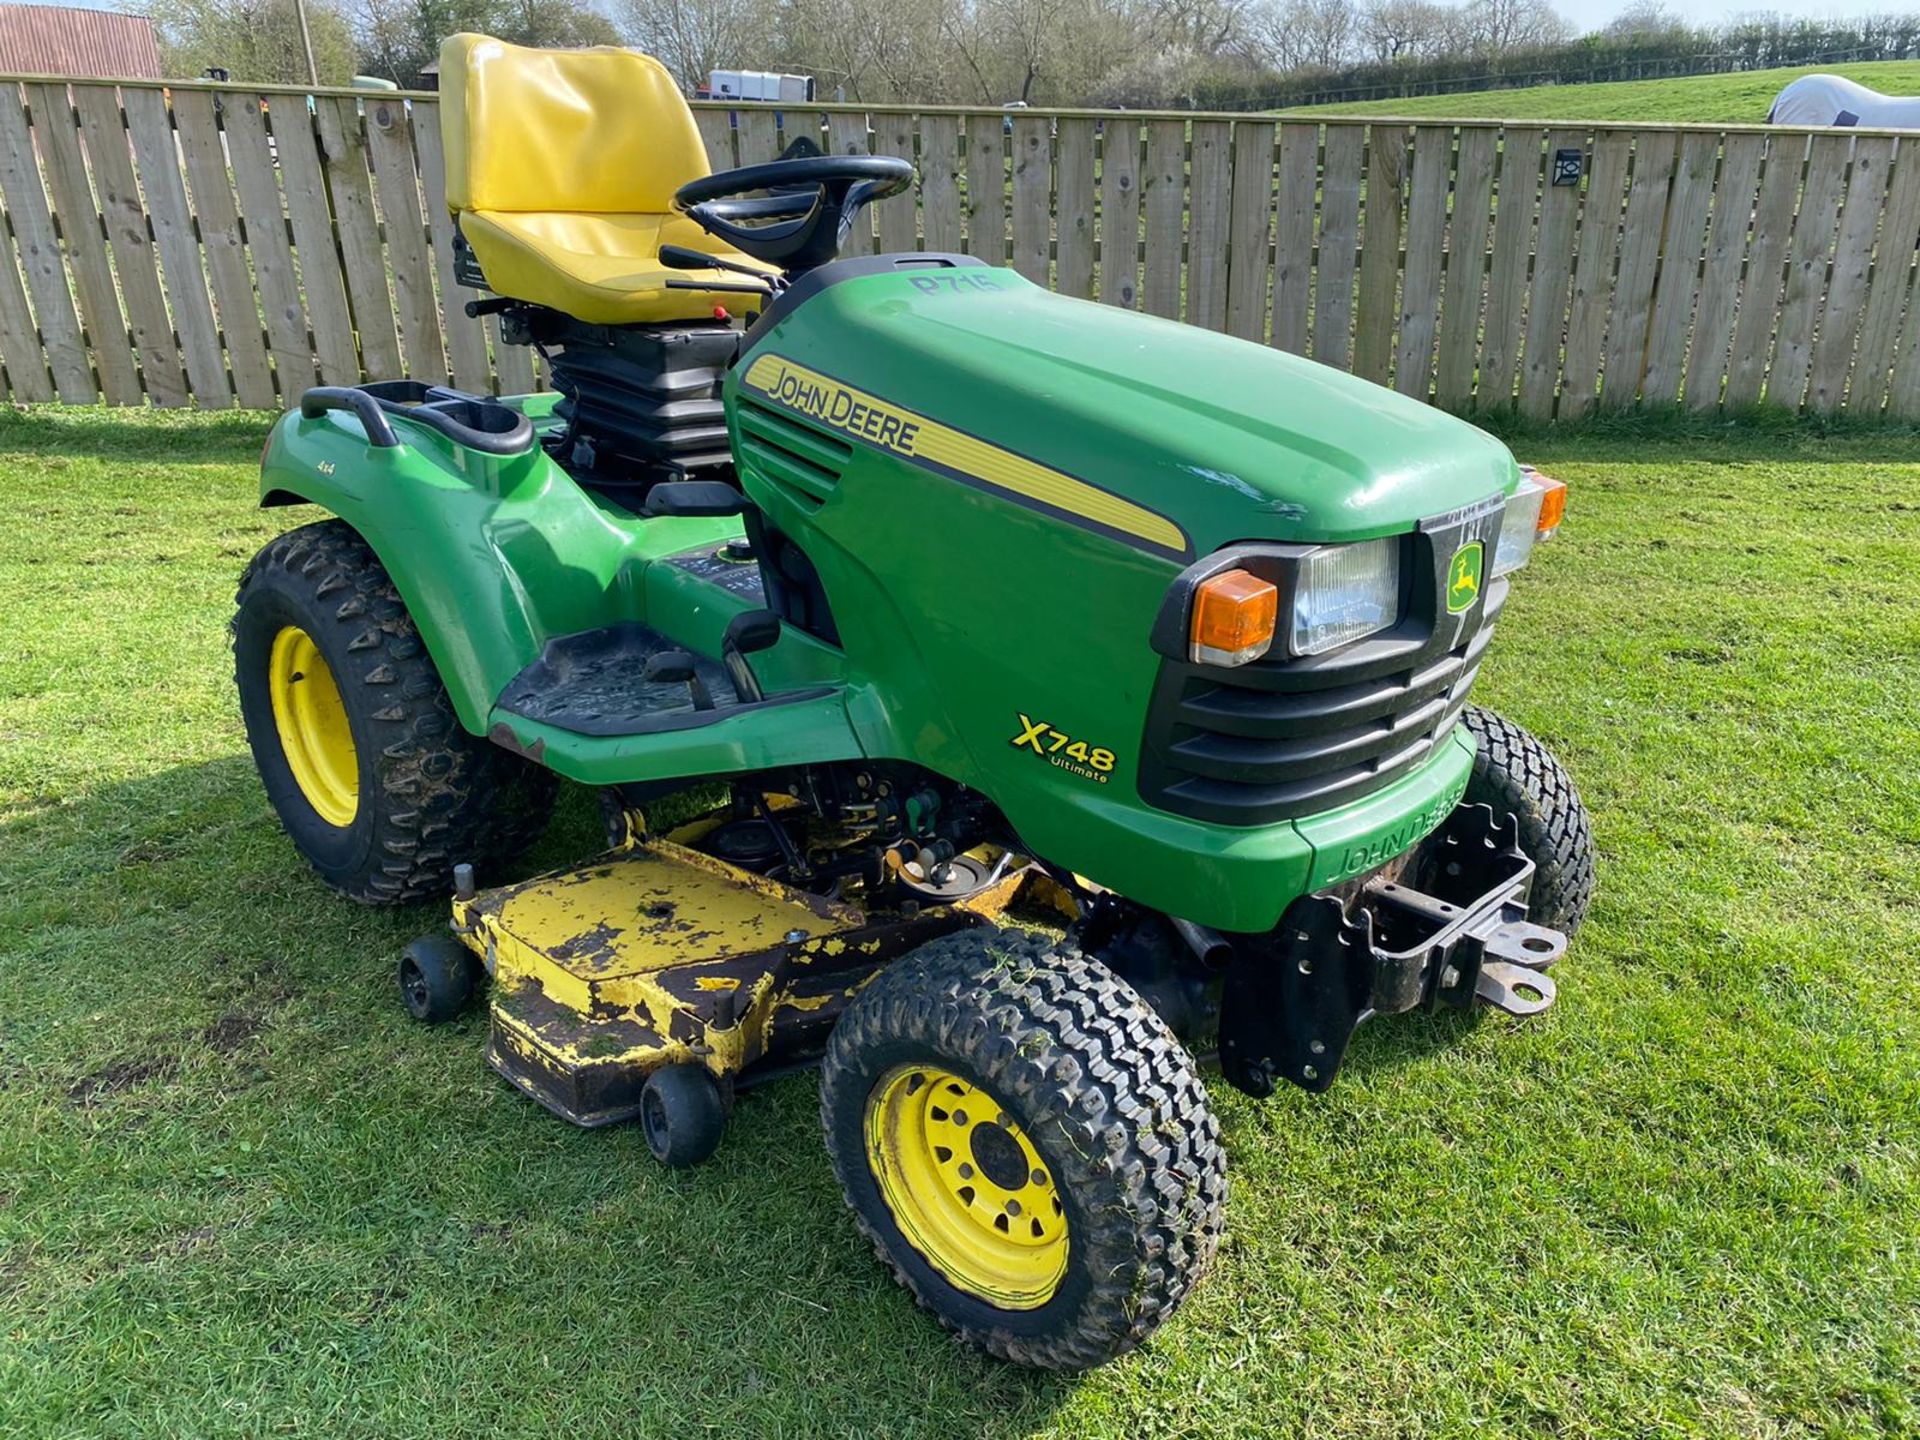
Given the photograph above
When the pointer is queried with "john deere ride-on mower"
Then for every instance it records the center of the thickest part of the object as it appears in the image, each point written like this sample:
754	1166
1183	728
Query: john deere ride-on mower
1076	693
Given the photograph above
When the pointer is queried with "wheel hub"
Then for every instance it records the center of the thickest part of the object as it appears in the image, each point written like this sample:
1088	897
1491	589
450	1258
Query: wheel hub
312	724
967	1187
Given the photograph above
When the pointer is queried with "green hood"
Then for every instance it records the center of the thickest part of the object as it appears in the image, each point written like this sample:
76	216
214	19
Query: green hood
1230	440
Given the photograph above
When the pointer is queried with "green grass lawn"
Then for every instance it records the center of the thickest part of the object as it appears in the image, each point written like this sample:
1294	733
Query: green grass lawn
241	1194
1705	99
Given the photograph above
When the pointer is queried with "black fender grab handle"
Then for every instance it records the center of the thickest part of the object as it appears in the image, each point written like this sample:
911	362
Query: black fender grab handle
321	398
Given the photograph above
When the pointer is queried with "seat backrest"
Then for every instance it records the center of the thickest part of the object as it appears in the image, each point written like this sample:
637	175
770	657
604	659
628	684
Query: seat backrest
603	131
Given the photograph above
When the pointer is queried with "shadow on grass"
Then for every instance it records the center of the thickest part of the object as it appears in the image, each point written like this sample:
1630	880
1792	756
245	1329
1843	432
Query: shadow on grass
134	433
1759	435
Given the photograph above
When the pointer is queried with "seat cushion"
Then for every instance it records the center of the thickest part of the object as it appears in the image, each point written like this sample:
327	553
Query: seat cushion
604	269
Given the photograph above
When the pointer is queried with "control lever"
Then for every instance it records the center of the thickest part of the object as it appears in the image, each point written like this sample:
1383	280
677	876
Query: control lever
679	257
675	667
748	633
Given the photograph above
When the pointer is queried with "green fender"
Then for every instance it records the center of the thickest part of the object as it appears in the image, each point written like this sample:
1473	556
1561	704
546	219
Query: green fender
495	556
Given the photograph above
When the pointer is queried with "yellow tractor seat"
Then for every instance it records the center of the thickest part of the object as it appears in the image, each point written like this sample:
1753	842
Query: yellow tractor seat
561	167
599	268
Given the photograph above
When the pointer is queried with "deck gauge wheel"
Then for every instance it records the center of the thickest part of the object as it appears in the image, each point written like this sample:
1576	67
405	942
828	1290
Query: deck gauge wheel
437	978
682	1115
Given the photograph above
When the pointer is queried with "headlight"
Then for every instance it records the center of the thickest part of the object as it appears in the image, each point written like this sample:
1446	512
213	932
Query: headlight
1533	514
1345	592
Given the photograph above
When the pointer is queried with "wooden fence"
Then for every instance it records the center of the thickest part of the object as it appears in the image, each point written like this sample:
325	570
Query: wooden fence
222	244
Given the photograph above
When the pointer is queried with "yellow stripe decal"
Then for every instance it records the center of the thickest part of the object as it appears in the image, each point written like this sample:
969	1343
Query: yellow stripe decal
861	416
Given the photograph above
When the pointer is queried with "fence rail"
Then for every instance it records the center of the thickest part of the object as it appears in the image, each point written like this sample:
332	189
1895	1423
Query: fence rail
214	245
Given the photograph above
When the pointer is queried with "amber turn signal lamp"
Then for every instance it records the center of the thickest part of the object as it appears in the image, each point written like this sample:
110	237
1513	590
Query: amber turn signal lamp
1553	505
1234	615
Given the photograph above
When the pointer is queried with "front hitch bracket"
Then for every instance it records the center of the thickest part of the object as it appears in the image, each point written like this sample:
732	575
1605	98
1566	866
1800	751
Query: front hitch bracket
1459	937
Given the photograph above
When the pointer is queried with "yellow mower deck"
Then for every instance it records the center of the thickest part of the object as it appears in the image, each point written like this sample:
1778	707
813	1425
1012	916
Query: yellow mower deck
657	954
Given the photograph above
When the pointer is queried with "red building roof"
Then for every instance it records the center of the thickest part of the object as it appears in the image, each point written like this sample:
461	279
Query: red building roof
94	44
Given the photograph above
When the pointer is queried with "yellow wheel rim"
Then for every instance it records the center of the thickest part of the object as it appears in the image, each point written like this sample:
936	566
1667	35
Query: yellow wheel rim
312	721
966	1187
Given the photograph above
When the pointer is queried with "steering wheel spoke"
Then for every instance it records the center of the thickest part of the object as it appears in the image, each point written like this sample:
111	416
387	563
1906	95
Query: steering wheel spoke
806	211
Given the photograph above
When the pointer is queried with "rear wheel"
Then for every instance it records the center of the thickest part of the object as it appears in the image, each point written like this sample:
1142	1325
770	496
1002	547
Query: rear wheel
1026	1145
1513	772
355	737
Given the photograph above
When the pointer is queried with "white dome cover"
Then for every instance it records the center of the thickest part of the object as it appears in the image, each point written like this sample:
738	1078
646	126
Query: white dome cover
1835	100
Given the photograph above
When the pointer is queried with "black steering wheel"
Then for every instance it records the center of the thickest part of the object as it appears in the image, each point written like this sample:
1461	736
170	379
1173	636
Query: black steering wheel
809	208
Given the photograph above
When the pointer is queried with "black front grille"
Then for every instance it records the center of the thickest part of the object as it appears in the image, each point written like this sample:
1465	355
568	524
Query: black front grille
1284	737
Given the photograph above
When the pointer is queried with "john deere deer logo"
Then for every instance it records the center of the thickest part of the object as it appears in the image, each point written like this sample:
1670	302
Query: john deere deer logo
1463	576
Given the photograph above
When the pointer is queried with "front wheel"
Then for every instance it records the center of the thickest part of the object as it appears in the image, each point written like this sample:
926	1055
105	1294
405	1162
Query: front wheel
375	781
1026	1145
1513	772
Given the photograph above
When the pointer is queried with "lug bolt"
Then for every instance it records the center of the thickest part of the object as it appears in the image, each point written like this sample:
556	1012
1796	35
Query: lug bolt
966	1171
959	1117
1039	1177
1013	1207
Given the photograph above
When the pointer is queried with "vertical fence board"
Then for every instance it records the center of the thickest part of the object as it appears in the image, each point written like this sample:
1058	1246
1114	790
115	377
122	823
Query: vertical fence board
1593	287
1120	213
1888	285
40	255
1339	244
1852	261
1293	236
1552	283
514	365
1250	230
1426	245
283	297
1674	297
987	188
466	337
389	142
363	259
716	133
898	218
1380	252
1073	209
1464	281
313	243
1733	203
1903	396
1807	256
1208	206
55	128
940	182
158	161
1164	198
758	136
226	252
135	263
1760	290
848	135
1517	199
1032	197
1653	163
20	347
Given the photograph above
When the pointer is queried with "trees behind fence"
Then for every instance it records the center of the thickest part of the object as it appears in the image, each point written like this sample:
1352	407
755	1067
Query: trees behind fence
218	245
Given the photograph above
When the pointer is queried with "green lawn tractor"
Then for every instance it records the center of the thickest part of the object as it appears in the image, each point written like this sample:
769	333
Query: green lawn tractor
1047	694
